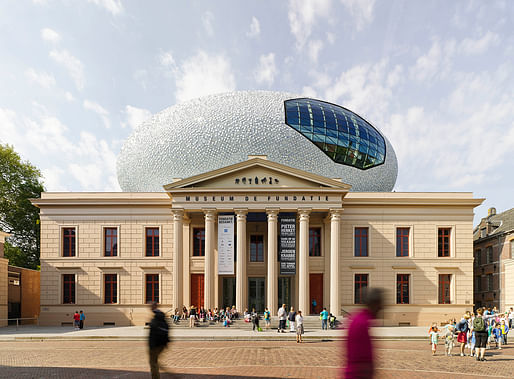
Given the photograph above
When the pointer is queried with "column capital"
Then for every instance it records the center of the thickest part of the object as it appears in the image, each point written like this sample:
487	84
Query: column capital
335	214
304	213
210	214
272	213
241	214
178	214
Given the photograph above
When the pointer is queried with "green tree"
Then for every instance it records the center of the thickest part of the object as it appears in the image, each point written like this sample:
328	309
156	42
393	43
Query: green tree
19	182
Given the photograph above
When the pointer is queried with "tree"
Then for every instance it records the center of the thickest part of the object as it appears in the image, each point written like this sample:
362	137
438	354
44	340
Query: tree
19	182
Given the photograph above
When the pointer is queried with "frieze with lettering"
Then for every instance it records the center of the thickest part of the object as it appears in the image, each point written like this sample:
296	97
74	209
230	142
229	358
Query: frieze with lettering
269	180
268	198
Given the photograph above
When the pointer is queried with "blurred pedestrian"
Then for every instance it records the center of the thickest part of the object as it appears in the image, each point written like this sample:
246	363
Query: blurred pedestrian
359	349
324	319
82	318
299	326
291	317
158	339
76	320
282	316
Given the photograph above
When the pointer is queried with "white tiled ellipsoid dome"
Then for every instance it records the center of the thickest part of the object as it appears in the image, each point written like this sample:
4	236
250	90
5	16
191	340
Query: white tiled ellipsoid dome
215	131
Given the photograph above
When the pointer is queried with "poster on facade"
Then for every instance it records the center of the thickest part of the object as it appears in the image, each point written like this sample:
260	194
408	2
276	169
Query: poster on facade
287	252
225	245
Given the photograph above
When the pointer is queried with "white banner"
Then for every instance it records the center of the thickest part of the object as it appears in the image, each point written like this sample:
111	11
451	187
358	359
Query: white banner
225	245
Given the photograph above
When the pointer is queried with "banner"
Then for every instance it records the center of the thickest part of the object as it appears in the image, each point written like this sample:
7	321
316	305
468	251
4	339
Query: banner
287	252
225	245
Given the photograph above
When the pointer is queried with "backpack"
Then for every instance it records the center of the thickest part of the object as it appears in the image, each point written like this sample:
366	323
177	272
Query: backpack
478	324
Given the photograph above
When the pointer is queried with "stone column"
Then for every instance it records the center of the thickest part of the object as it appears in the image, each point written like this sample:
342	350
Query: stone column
186	257
210	217
335	222
272	280
241	278
303	263
178	246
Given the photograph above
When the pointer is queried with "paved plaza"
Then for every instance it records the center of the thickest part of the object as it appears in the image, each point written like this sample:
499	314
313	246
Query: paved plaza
236	359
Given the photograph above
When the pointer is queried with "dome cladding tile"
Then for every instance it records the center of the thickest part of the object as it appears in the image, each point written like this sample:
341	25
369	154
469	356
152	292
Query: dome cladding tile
215	131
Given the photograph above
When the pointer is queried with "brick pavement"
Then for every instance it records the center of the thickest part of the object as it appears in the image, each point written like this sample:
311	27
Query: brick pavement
239	359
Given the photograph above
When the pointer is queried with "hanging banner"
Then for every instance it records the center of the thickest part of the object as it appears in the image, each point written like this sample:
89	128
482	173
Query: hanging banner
287	252
225	245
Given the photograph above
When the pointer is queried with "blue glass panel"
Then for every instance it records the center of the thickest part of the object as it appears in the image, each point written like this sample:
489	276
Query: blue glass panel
344	136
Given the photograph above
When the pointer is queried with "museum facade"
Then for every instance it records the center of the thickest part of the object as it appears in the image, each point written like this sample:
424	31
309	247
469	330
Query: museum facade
255	234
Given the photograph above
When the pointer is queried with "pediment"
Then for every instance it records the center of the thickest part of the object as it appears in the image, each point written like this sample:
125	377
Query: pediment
257	173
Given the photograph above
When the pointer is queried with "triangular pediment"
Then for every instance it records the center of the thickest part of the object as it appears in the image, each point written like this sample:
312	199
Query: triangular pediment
257	173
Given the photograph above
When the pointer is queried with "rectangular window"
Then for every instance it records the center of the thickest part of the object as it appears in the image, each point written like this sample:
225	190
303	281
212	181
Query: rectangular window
443	242
111	288
402	242
478	257
257	248
402	289
479	283
361	242
110	242
314	242
152	242
68	242
490	282
198	242
68	289
152	288
489	254
444	288
361	282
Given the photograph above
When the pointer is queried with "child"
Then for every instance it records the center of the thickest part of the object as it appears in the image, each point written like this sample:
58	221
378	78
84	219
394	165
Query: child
267	318
472	343
449	340
433	339
497	336
299	327
504	327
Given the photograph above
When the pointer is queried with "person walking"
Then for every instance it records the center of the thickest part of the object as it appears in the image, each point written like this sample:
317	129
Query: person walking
282	315
511	318
291	317
82	318
462	328
359	348
324	319
255	320
267	318
299	326
192	316
76	320
158	339
479	327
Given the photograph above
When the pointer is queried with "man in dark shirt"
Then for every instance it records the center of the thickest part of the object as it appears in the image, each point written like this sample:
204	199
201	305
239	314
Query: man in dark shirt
158	339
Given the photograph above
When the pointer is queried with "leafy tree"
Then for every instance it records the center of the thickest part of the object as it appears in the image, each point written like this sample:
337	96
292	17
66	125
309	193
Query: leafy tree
19	182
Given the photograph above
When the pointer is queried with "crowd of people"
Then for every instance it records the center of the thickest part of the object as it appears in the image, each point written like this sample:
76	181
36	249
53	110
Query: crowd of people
475	331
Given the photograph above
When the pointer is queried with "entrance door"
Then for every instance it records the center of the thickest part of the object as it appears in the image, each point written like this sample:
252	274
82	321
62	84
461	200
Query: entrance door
197	290
256	296
316	292
229	292
284	293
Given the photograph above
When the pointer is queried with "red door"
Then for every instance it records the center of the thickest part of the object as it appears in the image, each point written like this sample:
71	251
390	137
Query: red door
197	290
316	293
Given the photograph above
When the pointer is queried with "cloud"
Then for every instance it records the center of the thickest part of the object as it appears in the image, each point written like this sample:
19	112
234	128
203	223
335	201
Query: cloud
98	109
41	78
265	73
136	116
331	38
50	35
73	65
113	6
436	63
203	74
69	97
85	164
303	14
361	11
314	49
207	19
255	28
479	46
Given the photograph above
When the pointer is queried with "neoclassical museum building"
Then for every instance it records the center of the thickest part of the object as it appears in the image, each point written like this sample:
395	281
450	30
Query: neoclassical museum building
255	199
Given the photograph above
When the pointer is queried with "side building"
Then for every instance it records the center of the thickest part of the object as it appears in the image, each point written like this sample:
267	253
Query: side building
493	243
216	240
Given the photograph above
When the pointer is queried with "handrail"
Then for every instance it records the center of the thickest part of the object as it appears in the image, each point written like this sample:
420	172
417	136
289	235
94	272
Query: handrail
20	318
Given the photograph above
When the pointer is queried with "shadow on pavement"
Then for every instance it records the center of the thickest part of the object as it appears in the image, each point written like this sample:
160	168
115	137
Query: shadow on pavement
80	372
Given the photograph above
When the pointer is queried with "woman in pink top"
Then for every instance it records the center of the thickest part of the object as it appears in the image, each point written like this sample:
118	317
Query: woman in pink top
359	349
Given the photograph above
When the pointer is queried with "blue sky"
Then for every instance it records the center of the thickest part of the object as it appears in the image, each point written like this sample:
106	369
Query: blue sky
76	77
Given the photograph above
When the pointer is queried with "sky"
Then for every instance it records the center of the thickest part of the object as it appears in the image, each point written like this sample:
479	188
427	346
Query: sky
436	77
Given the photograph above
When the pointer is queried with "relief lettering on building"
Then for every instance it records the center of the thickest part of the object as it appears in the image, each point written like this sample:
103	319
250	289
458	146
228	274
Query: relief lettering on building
287	249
